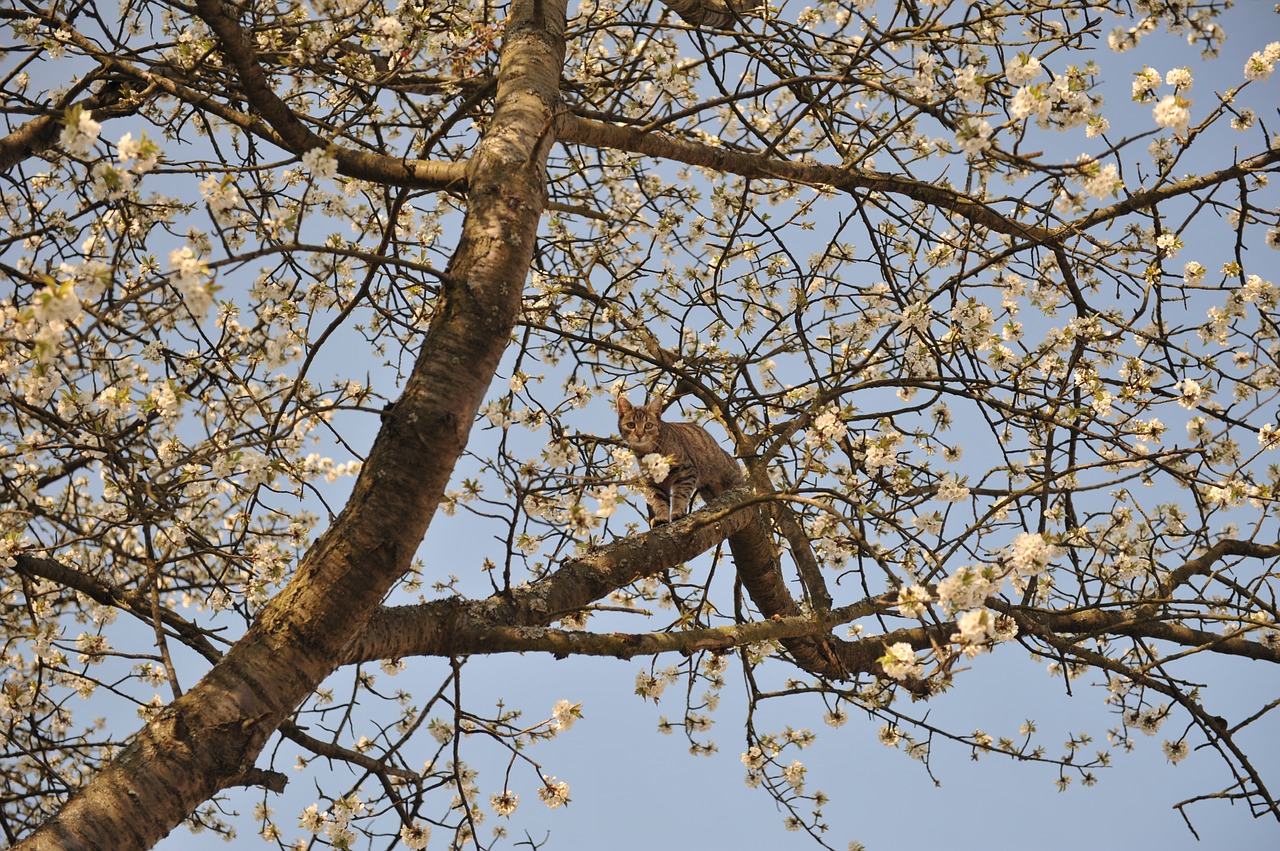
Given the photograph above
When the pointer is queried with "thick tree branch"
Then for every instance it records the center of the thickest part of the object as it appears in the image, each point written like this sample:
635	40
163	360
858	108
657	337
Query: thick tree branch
716	14
238	49
41	133
756	560
563	642
1097	622
503	621
577	130
1203	565
133	602
456	627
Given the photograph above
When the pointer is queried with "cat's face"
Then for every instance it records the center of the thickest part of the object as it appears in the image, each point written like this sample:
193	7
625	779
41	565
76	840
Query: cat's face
639	425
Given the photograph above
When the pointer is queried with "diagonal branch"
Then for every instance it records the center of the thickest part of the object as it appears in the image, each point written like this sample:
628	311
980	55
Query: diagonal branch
578	130
40	133
454	627
1203	565
239	51
1149	198
517	620
135	603
756	560
583	131
293	133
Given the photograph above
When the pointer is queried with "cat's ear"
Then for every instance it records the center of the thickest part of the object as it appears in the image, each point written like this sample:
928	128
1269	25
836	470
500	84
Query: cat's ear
624	406
656	404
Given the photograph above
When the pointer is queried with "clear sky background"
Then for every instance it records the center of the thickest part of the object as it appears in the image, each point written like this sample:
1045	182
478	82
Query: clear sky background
633	788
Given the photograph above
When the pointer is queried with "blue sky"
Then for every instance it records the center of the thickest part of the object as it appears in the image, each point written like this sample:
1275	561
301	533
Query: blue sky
634	788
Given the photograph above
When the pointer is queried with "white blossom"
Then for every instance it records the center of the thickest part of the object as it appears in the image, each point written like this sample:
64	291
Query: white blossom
827	426
968	587
189	273
1031	101
1179	78
975	626
1173	112
388	35
56	305
1168	243
321	162
754	759
968	86
1098	181
1260	65
141	155
973	136
608	498
649	686
440	730
1148	720
9	549
312	820
794	774
165	400
1190	392
1030	554
219	194
415	835
109	181
900	662
565	713
1176	752
344	809
505	803
80	131
554	794
950	490
912	600
655	467
1022	69
1145	83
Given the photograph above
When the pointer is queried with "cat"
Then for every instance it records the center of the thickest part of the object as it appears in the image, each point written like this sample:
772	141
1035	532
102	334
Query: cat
697	463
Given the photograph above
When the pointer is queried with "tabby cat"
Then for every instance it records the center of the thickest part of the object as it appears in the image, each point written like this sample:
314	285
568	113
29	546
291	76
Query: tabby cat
697	463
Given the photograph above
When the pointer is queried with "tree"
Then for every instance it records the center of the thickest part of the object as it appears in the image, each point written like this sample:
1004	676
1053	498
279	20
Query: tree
1002	379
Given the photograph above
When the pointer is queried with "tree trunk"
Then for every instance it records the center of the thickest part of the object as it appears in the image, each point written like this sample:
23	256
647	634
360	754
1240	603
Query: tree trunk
204	739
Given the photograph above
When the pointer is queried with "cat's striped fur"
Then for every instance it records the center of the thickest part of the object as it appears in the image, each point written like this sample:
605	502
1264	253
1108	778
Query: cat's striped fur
697	463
